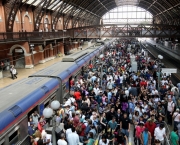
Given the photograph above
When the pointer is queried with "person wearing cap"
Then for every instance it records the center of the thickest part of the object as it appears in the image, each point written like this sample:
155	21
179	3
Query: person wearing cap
176	117
145	137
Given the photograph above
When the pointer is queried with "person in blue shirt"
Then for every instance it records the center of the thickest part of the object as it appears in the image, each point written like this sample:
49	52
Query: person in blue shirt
131	106
112	123
31	129
109	95
93	78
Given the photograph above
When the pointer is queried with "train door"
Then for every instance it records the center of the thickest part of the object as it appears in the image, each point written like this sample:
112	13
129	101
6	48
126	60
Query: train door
33	110
70	82
82	71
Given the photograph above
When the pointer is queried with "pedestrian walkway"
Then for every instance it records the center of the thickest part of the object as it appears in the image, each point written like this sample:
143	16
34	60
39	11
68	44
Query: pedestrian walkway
24	73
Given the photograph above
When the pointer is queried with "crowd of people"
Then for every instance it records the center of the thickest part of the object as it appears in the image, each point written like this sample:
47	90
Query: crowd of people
106	105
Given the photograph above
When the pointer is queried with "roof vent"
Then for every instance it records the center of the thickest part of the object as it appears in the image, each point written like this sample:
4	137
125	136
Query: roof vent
16	111
45	89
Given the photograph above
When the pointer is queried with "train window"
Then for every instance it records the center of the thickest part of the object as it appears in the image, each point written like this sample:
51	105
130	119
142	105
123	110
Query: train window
13	138
64	87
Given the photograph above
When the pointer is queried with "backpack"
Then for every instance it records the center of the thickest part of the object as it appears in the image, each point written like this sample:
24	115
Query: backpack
79	128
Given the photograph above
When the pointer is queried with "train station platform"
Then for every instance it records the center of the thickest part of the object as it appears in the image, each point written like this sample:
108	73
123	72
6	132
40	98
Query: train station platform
168	50
24	73
168	58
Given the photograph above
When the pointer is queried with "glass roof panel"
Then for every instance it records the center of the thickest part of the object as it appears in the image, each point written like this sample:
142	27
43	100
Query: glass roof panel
37	2
57	5
127	14
126	2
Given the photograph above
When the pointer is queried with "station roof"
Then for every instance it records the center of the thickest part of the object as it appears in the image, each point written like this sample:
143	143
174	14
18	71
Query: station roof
161	9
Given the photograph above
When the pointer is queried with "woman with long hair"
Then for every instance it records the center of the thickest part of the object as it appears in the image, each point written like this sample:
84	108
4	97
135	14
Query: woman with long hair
103	122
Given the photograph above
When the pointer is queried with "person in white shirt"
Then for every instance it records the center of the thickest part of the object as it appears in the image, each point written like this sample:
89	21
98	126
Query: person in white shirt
121	80
73	138
164	81
159	133
62	141
14	73
96	90
154	91
104	141
170	110
127	92
110	85
176	117
68	111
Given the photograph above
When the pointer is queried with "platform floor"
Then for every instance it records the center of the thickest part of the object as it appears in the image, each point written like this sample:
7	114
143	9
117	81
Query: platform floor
24	73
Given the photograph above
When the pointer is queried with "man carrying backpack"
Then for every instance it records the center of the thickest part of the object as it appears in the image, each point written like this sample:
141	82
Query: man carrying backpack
80	129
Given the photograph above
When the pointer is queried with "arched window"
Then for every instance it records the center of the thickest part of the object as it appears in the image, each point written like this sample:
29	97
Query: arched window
128	14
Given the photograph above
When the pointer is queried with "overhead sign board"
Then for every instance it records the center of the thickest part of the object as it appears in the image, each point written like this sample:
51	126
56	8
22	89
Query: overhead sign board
169	70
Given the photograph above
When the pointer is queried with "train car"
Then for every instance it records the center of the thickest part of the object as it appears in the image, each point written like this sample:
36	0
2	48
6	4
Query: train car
20	99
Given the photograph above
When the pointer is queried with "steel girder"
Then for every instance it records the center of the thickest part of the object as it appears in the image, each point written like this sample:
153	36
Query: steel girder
11	8
39	13
77	16
127	30
57	14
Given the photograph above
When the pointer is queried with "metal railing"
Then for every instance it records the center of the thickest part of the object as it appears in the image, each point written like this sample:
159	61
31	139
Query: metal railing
15	36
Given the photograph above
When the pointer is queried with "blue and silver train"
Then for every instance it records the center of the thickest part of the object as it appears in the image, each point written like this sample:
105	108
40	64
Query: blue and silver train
36	92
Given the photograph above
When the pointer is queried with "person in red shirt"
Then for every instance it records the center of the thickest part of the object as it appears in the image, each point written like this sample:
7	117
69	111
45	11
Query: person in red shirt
150	125
82	134
77	96
76	119
90	66
143	83
71	82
